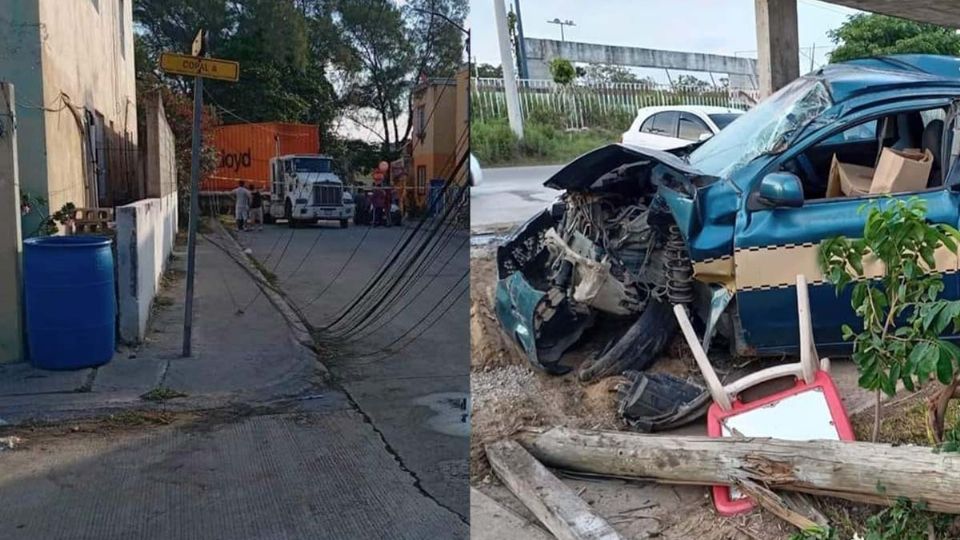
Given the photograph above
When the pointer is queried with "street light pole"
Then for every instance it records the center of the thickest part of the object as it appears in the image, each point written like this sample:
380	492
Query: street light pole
557	21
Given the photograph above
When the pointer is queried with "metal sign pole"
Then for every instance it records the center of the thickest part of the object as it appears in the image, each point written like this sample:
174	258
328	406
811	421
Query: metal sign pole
194	211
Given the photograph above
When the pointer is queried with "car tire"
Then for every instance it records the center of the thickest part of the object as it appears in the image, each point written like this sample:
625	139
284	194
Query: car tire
288	215
268	219
344	223
638	347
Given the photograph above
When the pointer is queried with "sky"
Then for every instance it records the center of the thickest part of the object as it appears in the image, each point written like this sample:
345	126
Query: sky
709	26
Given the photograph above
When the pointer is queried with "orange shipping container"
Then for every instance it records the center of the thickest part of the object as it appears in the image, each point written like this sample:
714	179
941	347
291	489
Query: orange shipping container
245	150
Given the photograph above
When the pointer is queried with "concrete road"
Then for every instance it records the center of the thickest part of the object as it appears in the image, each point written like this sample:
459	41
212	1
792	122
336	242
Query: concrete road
415	396
381	452
510	195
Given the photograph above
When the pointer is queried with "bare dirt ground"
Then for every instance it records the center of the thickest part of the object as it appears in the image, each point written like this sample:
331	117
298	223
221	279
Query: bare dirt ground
508	393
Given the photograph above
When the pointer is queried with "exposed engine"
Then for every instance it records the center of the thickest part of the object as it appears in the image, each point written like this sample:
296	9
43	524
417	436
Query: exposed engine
615	254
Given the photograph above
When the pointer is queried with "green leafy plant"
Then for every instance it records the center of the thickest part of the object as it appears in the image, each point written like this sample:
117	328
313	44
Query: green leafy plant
906	520
562	71
818	533
30	203
896	293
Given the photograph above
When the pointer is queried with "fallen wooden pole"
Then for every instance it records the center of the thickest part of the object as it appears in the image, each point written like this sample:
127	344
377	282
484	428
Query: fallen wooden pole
560	510
857	471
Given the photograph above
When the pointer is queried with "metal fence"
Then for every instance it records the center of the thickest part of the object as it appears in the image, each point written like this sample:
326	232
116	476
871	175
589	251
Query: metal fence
595	105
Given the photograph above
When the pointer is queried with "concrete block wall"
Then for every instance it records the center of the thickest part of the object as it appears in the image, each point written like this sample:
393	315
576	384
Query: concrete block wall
146	231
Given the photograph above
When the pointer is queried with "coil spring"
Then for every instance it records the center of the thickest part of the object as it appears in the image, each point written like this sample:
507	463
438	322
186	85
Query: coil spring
679	271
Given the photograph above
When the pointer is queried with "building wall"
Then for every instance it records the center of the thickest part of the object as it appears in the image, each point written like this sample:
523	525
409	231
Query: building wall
436	148
88	70
146	231
20	39
462	125
158	151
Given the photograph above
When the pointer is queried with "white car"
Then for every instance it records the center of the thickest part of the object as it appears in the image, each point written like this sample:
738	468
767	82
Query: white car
475	173
669	127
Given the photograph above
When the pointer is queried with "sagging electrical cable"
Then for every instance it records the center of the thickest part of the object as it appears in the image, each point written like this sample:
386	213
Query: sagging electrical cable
411	278
406	266
377	281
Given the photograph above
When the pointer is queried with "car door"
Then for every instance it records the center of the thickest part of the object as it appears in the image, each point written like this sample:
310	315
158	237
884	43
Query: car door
692	128
659	131
773	245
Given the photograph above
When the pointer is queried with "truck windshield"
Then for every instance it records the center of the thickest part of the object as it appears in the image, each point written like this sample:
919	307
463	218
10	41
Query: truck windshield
311	165
768	127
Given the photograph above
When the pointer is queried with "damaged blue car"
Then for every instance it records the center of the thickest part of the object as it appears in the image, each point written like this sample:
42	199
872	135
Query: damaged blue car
725	225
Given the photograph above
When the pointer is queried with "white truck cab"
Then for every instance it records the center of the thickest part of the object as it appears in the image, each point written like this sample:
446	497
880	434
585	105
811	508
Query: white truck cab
304	189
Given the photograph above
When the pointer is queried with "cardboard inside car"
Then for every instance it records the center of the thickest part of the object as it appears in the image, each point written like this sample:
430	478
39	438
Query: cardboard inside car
897	171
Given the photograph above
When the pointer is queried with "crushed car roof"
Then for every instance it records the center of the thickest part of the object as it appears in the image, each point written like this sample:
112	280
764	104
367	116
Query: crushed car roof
846	80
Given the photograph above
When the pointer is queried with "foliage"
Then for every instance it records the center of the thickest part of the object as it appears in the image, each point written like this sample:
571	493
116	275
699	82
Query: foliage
493	143
815	534
691	82
489	71
47	226
441	51
603	73
562	71
903	316
865	35
906	520
951	440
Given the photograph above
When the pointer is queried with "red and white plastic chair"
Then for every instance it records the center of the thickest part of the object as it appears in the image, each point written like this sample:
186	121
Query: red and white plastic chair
810	410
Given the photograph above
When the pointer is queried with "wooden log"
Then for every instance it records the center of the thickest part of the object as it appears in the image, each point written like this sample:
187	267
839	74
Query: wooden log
560	510
782	507
857	471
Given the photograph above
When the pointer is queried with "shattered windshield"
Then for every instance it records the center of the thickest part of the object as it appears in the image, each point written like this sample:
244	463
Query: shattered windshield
768	127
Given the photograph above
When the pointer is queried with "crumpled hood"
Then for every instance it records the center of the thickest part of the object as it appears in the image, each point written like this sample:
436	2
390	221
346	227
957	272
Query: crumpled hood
583	172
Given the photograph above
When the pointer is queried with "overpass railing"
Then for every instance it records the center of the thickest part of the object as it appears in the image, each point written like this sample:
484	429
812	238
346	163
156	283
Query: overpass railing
595	105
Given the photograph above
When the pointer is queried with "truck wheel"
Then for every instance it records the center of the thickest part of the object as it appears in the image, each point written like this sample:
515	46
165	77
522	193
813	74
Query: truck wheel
344	223
268	219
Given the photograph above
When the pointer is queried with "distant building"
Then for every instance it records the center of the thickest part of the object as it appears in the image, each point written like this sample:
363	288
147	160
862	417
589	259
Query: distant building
440	136
72	66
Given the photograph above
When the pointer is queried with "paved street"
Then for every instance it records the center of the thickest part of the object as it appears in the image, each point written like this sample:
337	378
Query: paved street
413	396
380	452
509	195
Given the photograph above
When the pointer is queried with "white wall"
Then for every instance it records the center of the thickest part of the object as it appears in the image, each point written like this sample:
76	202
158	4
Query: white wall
146	231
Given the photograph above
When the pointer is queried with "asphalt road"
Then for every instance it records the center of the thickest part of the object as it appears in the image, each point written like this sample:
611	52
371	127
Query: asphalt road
510	195
413	396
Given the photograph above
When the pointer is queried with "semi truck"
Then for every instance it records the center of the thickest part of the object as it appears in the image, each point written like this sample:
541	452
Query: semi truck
304	189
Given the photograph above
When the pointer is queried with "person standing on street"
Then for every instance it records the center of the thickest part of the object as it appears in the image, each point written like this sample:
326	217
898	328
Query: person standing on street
256	209
379	206
242	206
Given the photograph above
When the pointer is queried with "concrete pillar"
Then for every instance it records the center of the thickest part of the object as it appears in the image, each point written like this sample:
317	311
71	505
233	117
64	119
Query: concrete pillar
778	46
11	320
509	76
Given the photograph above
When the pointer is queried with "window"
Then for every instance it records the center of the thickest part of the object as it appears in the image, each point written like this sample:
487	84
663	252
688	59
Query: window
422	178
723	120
421	121
691	127
862	132
664	123
312	165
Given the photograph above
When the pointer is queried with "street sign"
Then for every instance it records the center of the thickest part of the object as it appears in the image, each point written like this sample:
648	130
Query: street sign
199	47
208	68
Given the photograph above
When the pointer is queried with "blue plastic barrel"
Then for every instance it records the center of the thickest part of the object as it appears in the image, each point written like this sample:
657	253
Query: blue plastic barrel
70	301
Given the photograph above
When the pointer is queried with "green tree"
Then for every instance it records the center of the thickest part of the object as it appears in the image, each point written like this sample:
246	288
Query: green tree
379	56
604	73
562	71
489	71
439	45
865	35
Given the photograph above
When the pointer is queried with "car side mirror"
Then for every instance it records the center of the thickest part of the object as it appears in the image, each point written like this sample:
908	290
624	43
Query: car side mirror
779	190
704	136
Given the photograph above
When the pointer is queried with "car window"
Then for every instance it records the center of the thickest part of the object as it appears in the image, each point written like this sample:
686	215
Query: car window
862	132
691	127
664	124
723	119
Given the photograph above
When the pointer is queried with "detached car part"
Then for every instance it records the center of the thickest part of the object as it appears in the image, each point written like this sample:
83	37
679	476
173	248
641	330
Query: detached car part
651	402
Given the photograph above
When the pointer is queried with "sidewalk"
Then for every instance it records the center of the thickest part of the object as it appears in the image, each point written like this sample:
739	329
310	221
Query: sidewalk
237	357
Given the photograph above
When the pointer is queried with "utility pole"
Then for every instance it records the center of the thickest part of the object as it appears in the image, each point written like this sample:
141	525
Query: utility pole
522	57
567	22
198	66
198	50
506	62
